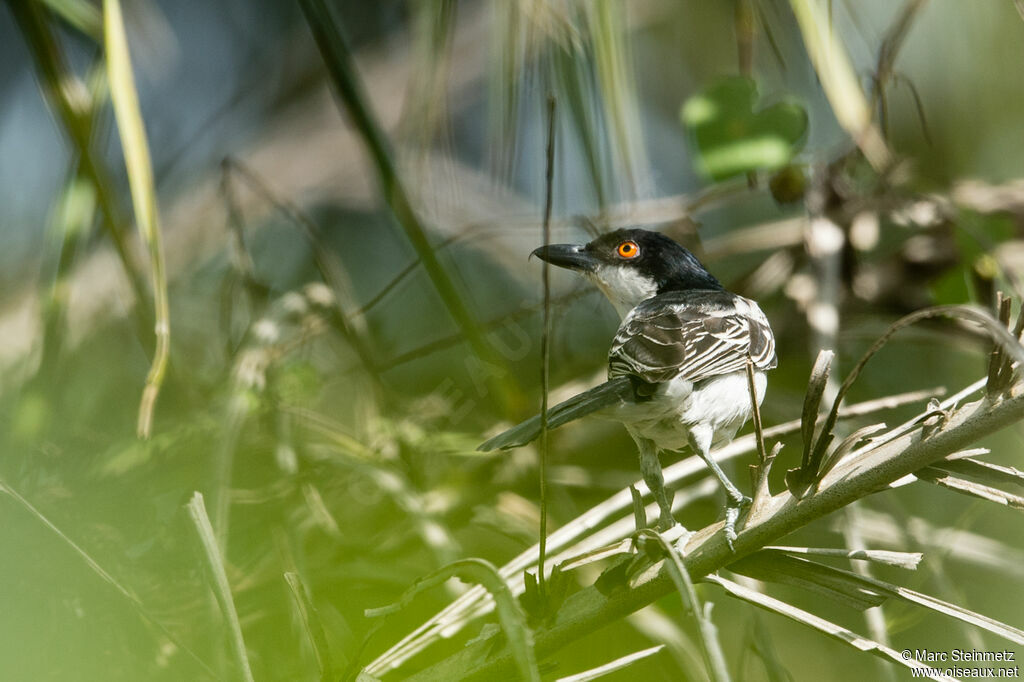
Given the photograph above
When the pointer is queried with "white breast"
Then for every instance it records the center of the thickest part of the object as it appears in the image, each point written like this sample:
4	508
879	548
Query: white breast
715	409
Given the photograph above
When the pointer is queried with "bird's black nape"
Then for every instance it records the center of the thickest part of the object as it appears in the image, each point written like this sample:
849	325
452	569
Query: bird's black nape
670	265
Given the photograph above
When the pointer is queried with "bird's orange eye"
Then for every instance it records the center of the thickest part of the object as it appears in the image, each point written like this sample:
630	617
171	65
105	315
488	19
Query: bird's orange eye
628	250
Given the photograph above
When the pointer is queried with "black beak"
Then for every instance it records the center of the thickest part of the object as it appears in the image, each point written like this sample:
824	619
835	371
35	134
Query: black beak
569	256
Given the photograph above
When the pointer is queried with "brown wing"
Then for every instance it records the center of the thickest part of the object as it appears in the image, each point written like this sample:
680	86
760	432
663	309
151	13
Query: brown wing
695	335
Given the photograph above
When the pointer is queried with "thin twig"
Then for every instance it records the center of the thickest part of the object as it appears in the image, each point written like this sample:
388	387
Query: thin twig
763	467
545	344
327	263
890	47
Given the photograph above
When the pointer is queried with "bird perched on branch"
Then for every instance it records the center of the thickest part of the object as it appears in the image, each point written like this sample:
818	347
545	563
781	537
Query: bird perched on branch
677	369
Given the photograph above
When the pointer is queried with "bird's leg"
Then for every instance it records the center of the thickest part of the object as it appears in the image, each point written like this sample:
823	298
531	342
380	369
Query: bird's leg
700	441
650	467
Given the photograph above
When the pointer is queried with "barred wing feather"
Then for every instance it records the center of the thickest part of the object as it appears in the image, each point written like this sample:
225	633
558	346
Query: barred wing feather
691	334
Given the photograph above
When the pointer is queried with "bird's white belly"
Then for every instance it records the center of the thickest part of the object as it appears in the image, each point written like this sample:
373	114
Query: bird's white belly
718	407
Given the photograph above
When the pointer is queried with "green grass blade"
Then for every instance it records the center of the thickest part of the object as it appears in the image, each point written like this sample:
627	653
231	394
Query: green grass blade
823	626
58	84
79	14
714	658
74	216
907	560
221	587
511	616
612	666
839	81
143	191
311	621
812	574
846	588
606	24
103	574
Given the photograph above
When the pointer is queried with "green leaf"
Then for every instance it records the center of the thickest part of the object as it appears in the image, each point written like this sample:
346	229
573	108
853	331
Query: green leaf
732	138
542	601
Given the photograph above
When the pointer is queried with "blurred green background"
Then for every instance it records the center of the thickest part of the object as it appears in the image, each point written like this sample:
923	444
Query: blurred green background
321	392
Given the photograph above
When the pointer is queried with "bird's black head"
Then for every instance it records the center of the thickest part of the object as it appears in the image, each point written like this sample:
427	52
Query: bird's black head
631	265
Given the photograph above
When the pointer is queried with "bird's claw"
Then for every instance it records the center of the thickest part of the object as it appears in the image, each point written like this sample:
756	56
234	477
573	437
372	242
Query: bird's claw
732	515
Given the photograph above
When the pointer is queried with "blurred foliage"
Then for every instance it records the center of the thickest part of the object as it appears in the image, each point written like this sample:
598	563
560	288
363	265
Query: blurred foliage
733	136
320	392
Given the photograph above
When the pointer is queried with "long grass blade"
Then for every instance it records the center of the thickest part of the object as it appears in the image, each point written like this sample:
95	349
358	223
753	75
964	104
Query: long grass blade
340	65
814	574
311	622
80	15
770	566
823	626
714	658
221	587
908	560
572	73
812	399
839	80
965	487
996	474
511	616
545	342
60	87
104	575
143	191
606	22
74	216
612	666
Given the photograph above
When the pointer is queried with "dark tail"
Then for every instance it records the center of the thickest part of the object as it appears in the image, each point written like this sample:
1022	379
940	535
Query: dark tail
619	389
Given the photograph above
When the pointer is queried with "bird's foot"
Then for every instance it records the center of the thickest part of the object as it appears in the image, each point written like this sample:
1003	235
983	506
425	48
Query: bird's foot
732	515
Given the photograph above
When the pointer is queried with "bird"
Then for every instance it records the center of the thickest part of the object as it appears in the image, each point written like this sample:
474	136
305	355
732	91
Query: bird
677	367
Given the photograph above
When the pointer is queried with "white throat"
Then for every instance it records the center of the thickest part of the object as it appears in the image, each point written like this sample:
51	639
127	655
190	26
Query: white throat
624	287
